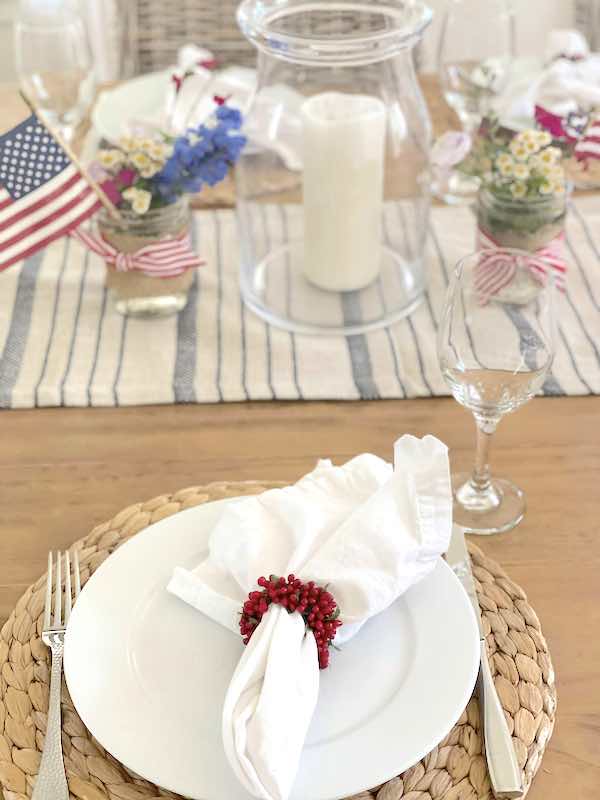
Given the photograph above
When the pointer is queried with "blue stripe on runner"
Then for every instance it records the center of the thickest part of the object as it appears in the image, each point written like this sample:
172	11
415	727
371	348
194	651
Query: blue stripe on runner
219	254
583	274
184	372
410	254
67	245
409	321
390	339
269	354
75	327
440	254
591	242
98	342
572	359
115	387
582	326
18	332
525	331
288	295
358	349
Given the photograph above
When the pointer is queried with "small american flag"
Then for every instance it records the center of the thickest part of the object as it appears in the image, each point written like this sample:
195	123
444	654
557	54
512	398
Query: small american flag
43	195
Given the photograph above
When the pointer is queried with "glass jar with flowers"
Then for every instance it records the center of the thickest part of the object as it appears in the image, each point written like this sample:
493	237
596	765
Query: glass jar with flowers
148	250
522	202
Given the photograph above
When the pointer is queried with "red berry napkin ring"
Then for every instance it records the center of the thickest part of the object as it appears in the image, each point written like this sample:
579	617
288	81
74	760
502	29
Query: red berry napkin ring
316	605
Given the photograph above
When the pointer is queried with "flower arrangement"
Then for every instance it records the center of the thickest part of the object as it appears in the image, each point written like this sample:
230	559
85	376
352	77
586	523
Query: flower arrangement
522	199
528	167
146	173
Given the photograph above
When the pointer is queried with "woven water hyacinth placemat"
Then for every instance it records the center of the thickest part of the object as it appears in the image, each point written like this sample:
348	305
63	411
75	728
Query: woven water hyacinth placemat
455	770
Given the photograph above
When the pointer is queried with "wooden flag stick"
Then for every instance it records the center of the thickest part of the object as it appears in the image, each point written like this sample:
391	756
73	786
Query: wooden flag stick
98	190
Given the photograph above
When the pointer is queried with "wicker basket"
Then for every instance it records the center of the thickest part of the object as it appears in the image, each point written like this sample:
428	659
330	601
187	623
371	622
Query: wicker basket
159	29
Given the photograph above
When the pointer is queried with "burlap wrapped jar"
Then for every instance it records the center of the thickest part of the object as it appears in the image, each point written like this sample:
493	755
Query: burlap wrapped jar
135	293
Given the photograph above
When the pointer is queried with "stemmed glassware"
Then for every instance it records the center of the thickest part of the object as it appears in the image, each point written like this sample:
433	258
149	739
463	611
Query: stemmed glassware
496	345
476	48
54	62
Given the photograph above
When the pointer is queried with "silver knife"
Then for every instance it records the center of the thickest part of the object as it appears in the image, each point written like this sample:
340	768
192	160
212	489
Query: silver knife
505	774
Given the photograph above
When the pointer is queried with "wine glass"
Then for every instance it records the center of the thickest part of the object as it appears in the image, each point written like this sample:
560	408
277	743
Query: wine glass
496	345
476	48
54	62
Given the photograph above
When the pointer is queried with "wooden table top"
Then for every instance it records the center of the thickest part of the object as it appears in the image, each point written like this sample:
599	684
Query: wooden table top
64	470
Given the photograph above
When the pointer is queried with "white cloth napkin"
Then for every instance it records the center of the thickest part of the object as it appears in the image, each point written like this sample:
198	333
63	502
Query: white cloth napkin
562	87
365	529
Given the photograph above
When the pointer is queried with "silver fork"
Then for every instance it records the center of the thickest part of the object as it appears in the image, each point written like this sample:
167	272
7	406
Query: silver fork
51	782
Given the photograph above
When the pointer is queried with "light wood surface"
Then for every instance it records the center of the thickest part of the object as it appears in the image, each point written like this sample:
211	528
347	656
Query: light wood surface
64	470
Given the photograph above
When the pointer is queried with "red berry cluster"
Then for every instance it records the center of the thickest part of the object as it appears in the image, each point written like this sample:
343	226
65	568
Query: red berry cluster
314	603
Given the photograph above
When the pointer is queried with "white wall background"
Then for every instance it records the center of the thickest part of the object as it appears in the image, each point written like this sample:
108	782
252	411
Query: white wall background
535	18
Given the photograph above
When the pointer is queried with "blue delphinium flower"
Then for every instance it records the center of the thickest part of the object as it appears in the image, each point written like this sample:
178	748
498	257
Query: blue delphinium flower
202	156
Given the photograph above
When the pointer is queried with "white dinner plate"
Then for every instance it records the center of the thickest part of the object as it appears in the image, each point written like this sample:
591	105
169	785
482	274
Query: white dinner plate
148	674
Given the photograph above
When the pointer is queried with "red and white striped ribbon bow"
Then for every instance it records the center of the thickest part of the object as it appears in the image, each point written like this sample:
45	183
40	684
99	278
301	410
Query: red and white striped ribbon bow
588	146
497	267
165	258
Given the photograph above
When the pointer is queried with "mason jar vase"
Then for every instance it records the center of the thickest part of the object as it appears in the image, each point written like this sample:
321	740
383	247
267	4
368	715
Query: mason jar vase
333	186
527	224
136	293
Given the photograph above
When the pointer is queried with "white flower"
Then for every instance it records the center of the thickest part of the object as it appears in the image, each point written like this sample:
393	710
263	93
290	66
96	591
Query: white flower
140	160
504	158
139	198
557	173
518	190
111	158
558	187
546	188
550	155
129	143
150	170
526	136
529	140
507	168
532	146
521	172
519	150
159	151
543	138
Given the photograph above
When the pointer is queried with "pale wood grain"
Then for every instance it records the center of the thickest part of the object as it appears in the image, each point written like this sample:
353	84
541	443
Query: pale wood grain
64	470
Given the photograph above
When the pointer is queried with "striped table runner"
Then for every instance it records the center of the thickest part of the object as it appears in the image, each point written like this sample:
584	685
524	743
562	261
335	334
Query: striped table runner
63	344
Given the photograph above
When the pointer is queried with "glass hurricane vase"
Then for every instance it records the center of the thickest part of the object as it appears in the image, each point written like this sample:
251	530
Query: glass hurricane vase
333	186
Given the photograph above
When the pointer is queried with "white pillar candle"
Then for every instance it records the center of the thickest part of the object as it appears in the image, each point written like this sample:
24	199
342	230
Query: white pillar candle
343	146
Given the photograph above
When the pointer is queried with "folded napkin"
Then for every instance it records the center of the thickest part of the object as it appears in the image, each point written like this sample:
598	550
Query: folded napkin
367	531
570	81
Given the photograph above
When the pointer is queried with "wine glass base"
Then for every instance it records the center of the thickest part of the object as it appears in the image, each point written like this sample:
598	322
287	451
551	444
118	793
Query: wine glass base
496	511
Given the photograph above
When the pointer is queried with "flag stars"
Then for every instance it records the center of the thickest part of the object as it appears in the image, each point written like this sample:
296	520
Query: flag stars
29	157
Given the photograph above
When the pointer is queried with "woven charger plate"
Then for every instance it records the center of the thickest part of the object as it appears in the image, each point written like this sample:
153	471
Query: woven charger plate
455	770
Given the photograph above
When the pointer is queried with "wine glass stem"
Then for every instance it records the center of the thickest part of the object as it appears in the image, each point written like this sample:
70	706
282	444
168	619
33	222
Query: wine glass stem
481	472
